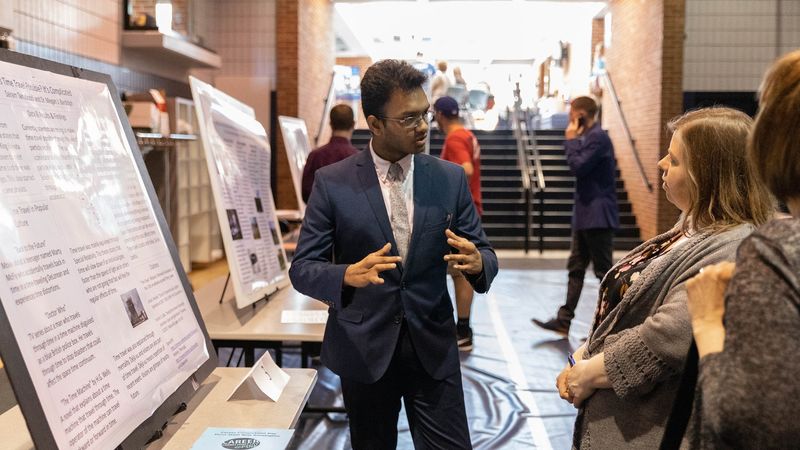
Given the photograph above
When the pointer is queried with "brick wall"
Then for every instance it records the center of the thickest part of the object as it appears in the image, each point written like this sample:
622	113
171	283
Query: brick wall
671	94
242	32
287	41
316	60
362	62
180	16
89	28
304	56
645	62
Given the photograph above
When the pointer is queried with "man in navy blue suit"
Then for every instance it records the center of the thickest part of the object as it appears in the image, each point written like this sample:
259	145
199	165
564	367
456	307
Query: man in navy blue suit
379	230
590	156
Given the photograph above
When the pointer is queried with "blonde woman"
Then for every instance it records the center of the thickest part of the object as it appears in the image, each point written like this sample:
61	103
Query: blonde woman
628	371
749	340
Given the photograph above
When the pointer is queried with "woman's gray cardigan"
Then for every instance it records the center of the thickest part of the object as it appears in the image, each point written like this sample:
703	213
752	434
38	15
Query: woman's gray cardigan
645	340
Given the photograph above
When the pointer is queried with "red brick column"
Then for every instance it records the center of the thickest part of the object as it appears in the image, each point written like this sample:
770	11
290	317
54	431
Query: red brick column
304	57
646	63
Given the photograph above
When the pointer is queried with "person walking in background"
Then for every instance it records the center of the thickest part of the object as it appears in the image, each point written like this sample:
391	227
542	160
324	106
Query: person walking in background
461	147
595	216
490	115
458	79
746	316
440	83
342	121
375	245
628	372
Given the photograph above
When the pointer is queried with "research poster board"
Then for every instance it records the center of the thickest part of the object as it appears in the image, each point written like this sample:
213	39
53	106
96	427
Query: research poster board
99	331
238	156
298	146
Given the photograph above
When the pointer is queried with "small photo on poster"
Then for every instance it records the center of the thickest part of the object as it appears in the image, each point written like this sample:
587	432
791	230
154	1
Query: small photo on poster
274	233
134	308
254	265
254	227
233	221
259	205
281	260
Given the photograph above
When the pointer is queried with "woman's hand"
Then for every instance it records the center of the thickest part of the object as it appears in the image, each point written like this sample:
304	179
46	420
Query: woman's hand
706	303
561	384
585	377
579	382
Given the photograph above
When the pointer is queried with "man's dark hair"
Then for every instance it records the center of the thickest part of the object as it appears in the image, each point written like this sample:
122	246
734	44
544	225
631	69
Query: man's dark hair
585	104
342	118
382	79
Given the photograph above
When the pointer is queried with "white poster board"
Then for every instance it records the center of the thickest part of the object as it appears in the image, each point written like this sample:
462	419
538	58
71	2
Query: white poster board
238	157
104	331
298	146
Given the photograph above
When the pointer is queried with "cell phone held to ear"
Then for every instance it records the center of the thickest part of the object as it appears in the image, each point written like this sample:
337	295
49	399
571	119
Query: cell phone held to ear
581	122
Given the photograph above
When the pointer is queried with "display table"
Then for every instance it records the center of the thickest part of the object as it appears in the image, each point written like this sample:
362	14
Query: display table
208	408
259	326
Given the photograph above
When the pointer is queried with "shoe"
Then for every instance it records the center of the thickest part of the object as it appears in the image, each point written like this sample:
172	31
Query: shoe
553	325
464	339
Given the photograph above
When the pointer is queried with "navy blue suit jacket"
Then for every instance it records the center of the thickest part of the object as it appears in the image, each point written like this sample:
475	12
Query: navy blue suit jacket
345	220
591	160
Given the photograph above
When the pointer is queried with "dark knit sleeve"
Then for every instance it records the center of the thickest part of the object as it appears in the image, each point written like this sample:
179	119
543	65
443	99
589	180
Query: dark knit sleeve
750	390
639	358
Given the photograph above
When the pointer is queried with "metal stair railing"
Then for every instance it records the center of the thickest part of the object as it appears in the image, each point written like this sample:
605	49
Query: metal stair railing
610	87
532	152
532	177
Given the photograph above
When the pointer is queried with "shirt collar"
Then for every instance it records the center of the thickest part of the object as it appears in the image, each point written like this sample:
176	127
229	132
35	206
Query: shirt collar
382	165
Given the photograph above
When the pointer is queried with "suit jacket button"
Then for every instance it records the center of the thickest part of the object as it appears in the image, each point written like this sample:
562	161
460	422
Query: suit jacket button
402	286
397	319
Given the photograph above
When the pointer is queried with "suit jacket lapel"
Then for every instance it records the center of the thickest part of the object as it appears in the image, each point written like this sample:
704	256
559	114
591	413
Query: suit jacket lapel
372	189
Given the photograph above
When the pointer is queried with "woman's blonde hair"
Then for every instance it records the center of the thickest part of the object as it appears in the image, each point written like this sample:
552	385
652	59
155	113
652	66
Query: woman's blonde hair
723	189
774	145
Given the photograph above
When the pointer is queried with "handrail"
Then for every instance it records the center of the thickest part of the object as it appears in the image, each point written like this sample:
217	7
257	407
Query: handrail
531	150
521	134
536	159
531	136
522	159
610	84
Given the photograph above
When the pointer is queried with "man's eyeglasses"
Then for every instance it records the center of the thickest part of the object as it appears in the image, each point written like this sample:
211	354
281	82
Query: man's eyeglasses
411	122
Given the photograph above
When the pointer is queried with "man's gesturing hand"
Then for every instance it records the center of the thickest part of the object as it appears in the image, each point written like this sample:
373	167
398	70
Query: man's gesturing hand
366	271
468	259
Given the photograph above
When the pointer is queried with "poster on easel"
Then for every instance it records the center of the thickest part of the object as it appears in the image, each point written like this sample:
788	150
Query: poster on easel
238	156
99	331
298	146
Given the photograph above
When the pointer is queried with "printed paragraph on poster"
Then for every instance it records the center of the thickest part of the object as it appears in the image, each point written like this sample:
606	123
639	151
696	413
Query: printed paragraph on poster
94	298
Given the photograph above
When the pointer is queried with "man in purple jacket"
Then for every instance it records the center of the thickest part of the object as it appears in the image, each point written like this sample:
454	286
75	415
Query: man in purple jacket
337	149
595	215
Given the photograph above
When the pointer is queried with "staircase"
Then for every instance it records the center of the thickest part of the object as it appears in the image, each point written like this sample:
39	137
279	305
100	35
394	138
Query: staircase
504	197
